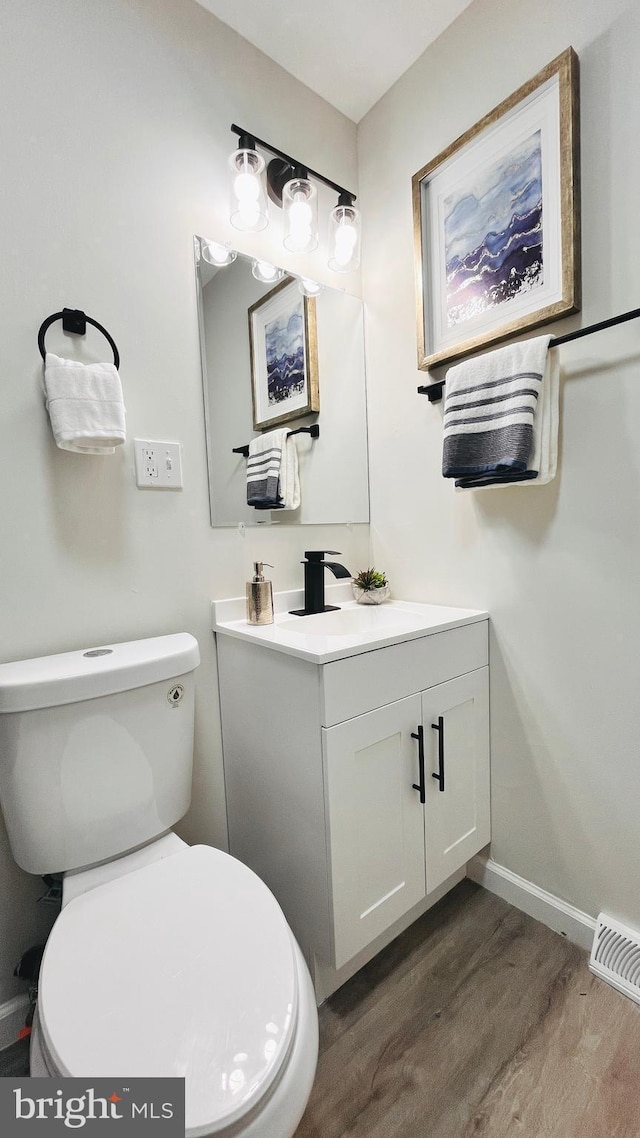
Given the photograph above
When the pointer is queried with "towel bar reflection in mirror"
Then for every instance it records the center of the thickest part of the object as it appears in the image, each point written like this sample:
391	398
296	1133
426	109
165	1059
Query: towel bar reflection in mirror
314	431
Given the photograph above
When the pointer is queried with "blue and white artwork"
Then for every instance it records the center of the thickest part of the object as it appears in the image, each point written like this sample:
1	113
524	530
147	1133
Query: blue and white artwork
284	345
493	233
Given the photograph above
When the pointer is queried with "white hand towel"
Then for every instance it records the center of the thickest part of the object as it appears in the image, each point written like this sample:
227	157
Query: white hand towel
85	405
273	482
289	475
545	425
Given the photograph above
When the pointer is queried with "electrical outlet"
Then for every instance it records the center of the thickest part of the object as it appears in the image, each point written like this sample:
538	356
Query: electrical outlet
158	465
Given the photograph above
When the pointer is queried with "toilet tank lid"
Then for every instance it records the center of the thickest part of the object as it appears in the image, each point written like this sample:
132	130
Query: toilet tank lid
70	677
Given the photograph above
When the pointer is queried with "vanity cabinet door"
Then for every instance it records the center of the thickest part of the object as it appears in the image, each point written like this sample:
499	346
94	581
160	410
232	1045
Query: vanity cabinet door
455	717
374	822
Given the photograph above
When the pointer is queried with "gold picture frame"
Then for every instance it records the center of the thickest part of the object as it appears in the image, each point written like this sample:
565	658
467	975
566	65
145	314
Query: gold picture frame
497	221
283	346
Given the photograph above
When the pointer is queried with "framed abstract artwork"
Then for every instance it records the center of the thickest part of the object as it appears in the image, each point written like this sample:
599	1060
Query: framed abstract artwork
497	221
284	356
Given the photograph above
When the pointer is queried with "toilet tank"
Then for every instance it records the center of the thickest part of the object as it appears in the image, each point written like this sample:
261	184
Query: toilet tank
96	750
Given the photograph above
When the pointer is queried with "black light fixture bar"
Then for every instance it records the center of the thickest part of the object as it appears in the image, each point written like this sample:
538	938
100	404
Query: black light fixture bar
294	163
433	391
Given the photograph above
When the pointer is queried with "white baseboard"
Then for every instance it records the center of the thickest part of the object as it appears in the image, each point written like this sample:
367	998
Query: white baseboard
12	1016
558	915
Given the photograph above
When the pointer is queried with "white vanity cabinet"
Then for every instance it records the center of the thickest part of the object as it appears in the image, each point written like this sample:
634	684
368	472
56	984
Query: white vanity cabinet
323	778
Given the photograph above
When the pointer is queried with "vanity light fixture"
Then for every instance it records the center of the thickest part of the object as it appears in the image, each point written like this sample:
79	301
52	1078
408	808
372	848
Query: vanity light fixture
300	207
290	187
266	272
246	187
344	235
215	254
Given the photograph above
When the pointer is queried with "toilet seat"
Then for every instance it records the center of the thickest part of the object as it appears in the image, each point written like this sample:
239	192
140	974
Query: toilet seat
186	968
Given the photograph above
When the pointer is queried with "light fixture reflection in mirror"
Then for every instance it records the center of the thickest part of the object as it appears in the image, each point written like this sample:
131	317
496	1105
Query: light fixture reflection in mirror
333	468
266	272
215	254
308	287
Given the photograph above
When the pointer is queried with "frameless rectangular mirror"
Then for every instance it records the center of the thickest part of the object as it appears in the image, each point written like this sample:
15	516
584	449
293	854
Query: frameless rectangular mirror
273	357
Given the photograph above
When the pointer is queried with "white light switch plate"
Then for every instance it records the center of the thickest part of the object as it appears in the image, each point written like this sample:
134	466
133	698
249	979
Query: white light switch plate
158	465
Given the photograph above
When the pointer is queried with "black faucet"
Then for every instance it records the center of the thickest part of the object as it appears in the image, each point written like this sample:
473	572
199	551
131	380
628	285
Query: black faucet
314	568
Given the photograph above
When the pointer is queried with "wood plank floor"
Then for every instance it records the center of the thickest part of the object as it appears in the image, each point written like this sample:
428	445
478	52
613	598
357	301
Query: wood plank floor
478	1022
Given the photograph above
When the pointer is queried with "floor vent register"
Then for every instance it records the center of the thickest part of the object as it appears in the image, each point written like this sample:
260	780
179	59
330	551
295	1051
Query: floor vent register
615	956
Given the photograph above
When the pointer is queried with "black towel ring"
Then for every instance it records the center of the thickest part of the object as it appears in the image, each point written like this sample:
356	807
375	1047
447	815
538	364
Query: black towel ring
74	320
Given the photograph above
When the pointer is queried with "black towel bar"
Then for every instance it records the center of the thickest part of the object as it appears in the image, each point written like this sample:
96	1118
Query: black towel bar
75	321
433	391
314	431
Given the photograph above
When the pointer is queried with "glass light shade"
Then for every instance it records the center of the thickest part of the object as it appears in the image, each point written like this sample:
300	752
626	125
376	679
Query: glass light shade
215	254
266	272
308	287
300	206
344	239
248	199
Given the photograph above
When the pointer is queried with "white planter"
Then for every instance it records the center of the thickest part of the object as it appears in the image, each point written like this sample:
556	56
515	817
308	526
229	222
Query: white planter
372	596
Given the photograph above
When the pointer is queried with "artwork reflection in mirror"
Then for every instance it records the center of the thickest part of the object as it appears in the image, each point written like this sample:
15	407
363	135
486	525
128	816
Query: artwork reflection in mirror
273	357
284	356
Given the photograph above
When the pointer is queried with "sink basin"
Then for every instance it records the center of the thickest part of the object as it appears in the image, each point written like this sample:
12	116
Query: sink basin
351	622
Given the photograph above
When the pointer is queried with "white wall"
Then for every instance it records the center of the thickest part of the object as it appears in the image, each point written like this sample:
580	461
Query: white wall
557	566
114	137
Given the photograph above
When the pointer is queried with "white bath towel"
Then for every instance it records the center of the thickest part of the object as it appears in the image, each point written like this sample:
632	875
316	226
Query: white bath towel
273	482
85	405
501	417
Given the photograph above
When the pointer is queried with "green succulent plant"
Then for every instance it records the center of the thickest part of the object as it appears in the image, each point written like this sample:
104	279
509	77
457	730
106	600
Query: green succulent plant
370	579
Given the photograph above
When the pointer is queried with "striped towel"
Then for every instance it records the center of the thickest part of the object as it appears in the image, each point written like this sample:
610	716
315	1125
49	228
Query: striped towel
501	417
272	472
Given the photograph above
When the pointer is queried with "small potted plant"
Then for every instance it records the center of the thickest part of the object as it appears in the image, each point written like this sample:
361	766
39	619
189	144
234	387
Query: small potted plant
371	587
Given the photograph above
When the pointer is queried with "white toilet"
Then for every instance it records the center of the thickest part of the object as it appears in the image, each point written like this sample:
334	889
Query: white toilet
166	959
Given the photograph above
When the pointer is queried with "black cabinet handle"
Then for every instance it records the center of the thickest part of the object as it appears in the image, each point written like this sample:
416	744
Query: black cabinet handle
420	786
439	727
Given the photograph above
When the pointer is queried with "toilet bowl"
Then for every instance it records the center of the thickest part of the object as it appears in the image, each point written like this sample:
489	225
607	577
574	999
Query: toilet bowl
185	967
166	960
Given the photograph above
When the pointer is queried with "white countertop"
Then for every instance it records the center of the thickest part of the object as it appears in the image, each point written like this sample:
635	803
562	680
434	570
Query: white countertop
354	629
